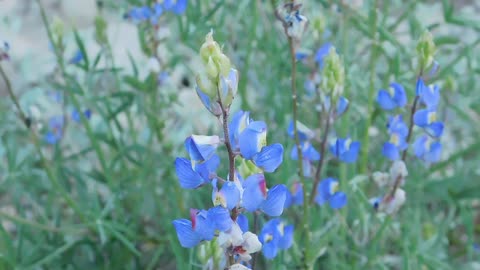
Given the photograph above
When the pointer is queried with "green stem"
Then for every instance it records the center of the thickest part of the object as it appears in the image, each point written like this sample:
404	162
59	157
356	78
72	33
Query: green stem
371	90
50	173
74	100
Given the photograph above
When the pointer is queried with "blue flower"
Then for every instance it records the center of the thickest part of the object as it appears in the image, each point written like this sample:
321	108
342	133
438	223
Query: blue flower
341	106
394	97
77	58
275	236
76	115
345	149
256	197
211	105
327	192
295	196
55	132
240	120
178	7
398	131
202	225
201	148
321	53
228	196
304	133
309	154
192	176
428	150
252	139
269	158
429	95
427	119
301	56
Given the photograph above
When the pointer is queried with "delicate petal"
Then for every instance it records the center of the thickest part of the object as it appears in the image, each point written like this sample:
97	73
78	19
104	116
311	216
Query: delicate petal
51	138
231	193
342	105
385	100
351	155
421	117
187	177
269	158
435	129
208	167
269	250
77	58
390	151
309	152
399	96
212	106
321	53
242	222
204	225
252	193
251	244
324	190
273	205
304	133
187	237
201	148
419	146
287	240
435	152
240	121
338	200
252	139
220	218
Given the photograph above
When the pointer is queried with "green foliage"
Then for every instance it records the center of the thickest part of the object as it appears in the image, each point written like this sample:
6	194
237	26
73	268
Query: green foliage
105	195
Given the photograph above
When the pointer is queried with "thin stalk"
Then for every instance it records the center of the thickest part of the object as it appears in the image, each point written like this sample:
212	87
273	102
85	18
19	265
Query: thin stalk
75	102
371	91
36	142
323	147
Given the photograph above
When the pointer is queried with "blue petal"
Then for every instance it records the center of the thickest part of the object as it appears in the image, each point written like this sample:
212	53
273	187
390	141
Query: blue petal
204	225
287	240
338	200
390	151
77	58
187	237
309	152
56	122
324	190
273	205
208	167
297	193
400	97
430	96
288	199
396	125
269	158
252	195
231	193
51	138
220	218
242	222
187	177
321	53
420	88
435	152
342	105
385	101
420	118
213	107
419	146
435	129
240	121
250	140
270	250
201	148
351	155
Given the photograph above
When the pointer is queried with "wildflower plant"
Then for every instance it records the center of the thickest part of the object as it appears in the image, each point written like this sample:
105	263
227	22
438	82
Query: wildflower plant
244	189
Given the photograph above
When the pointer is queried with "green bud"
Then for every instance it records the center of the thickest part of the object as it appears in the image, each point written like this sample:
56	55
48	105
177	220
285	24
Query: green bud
450	84
224	64
425	50
58	28
248	168
333	75
212	70
228	86
101	30
206	85
428	231
319	24
210	48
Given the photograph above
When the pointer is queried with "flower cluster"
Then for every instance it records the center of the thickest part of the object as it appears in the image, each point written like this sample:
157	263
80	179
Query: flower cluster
391	202
328	87
4	48
152	14
245	188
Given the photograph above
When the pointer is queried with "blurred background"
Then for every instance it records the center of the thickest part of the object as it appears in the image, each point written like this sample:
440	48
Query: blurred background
104	194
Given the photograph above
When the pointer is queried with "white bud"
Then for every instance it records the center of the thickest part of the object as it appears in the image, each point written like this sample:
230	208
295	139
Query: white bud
381	178
238	266
153	65
251	243
398	171
391	205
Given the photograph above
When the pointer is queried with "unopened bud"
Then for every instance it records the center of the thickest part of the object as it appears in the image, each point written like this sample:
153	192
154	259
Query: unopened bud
212	70
210	48
101	30
333	75
319	24
425	50
248	168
